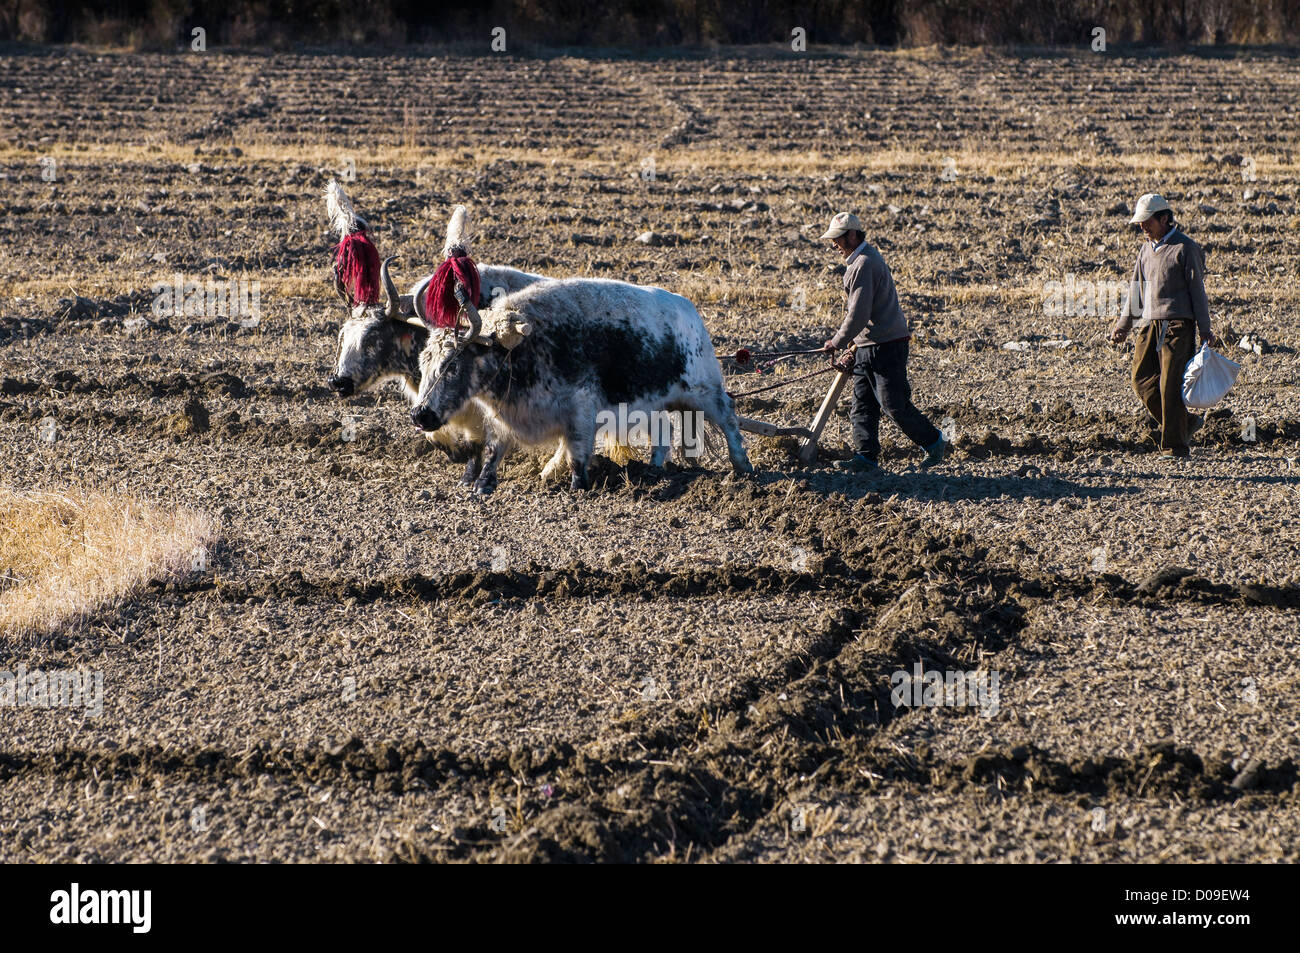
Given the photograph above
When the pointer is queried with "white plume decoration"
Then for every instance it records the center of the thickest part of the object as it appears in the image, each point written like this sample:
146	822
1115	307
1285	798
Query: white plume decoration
343	218
458	233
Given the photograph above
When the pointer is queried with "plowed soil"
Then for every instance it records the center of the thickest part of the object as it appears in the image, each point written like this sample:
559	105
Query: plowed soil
679	665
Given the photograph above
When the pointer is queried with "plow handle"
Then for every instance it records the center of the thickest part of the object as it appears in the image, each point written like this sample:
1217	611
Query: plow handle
808	448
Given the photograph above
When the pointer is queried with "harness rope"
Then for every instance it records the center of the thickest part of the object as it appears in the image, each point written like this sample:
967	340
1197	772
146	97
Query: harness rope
792	380
745	356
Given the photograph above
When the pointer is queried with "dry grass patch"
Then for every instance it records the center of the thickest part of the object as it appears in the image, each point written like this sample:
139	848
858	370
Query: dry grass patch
980	157
63	555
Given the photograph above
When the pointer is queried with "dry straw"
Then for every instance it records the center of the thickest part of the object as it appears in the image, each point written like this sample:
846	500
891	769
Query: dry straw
64	555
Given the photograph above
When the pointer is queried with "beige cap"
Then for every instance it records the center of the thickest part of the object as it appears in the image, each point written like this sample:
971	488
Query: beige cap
841	223
1147	206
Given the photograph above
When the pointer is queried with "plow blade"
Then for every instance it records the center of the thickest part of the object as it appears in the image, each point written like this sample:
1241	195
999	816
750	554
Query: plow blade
764	429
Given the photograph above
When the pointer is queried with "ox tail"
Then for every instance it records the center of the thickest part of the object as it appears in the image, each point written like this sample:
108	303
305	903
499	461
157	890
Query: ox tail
620	454
711	448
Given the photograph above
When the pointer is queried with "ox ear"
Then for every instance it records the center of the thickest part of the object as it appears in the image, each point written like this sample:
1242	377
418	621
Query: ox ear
483	339
406	314
340	290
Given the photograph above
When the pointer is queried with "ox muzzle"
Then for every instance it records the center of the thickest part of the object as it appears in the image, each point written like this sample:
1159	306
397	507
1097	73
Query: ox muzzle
425	419
343	386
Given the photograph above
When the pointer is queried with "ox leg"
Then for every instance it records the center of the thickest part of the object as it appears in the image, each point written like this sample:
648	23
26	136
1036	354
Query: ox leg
720	413
556	464
661	439
472	466
493	454
581	441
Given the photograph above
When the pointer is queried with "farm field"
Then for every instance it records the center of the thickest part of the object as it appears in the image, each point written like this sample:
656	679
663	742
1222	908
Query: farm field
680	665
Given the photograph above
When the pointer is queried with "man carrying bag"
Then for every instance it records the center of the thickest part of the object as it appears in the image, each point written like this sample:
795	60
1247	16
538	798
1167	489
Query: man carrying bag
1167	298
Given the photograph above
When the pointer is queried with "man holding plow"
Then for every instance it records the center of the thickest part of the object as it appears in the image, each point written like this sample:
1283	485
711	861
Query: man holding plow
875	324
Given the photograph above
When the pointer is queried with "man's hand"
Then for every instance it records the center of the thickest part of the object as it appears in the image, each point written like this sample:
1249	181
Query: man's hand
830	346
1118	333
1213	340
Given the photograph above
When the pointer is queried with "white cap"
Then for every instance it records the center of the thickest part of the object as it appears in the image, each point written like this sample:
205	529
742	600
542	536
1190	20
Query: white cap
843	222
1147	206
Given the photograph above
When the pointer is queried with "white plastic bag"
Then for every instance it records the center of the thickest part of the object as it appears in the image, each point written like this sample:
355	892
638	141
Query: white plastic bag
1208	378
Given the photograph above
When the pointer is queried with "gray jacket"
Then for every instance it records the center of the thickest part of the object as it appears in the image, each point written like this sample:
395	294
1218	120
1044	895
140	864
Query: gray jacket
872	314
1168	282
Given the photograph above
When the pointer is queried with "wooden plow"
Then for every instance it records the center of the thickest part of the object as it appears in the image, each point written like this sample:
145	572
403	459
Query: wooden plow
810	435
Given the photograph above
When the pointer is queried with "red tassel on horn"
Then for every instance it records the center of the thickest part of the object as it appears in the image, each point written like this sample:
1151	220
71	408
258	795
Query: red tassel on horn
440	305
357	265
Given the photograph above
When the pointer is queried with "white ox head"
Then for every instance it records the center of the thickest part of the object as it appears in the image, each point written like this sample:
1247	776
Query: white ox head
377	342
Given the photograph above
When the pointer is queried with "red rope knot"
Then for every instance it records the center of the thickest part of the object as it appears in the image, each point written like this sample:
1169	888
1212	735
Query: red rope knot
356	266
440	304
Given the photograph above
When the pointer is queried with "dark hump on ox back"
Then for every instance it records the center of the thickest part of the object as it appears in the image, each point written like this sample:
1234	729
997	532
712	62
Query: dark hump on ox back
626	363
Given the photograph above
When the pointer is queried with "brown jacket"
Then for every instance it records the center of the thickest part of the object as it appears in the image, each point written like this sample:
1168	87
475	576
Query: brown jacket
1168	282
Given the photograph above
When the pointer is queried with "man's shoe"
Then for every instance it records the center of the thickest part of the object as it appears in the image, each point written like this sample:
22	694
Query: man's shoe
1174	456
858	464
935	453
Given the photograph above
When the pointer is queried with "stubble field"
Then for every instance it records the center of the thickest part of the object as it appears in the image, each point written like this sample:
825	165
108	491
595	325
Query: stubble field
678	665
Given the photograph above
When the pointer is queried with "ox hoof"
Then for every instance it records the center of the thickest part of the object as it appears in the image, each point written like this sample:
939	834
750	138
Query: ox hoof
484	489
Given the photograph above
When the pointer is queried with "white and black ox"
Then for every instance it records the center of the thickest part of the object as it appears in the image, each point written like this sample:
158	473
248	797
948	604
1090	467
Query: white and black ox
382	342
595	344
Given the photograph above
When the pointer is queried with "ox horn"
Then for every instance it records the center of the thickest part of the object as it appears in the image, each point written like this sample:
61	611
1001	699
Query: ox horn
392	300
471	312
404	308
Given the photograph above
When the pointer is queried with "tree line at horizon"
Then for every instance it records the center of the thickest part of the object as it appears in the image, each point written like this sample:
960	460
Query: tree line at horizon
168	24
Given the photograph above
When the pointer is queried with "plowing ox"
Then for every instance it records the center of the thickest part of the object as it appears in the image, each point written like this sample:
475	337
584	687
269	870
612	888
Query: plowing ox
381	342
596	347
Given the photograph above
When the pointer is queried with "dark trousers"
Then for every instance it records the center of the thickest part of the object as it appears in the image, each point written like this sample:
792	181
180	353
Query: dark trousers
1158	367
880	384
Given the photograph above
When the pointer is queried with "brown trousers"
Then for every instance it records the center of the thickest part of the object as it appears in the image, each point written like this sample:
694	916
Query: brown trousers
1158	377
